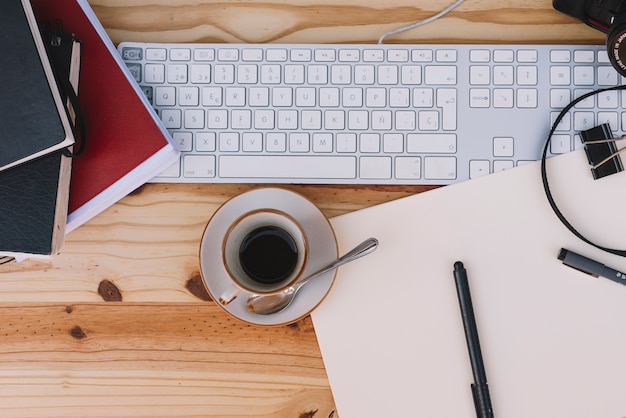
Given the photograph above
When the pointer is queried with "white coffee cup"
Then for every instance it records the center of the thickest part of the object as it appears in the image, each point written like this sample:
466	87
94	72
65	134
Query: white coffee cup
264	252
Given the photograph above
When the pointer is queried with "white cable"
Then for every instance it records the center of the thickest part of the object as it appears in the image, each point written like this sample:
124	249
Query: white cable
421	22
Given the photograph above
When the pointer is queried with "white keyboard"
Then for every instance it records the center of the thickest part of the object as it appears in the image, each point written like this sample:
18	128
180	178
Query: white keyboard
368	114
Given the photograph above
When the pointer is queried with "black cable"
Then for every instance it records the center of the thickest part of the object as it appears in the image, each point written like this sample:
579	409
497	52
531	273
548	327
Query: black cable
544	176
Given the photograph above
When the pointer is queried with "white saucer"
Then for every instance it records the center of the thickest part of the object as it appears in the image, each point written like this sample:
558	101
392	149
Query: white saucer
322	246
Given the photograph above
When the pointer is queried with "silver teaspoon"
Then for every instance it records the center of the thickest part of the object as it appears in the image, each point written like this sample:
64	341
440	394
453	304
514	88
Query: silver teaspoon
269	304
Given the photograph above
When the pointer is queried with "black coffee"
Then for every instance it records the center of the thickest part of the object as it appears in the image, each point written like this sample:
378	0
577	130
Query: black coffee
268	254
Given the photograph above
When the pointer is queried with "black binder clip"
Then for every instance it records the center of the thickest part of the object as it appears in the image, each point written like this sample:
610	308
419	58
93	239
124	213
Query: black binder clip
602	153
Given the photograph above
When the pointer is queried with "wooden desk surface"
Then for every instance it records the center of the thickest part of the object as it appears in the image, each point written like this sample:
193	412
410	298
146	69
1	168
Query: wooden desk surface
119	324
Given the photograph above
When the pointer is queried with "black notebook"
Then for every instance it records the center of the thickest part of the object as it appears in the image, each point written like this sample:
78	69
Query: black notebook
34	194
32	113
33	206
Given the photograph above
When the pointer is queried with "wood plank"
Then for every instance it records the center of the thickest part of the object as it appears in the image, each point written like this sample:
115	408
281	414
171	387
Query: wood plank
328	21
155	360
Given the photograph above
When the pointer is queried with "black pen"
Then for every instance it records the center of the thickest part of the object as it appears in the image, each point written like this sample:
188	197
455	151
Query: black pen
480	389
591	267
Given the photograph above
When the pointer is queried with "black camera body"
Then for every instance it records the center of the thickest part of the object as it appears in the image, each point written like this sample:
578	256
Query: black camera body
608	16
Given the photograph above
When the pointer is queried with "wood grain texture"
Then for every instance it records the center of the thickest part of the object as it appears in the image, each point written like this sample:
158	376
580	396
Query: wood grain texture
346	21
120	324
154	360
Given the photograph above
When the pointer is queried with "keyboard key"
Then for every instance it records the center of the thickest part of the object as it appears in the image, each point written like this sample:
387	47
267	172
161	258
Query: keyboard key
277	55
180	54
527	98
349	55
165	96
560	56
583	76
480	75
156	54
252	54
501	165
503	98
247	74
373	55
346	142
375	167
560	143
205	141
287	167
408	168
446	100
364	74
388	74
300	55
340	74
527	55
446	55
411	75
224	74
480	98
200	74
270	74
276	142
440	74
559	76
369	143
227	54
607	76
478	168
171	118
325	55
440	168
228	142
422	55
584	56
398	55
431	143
204	54
183	140
154	73
252	142
199	166
503	147
503	55
527	75
503	75
480	55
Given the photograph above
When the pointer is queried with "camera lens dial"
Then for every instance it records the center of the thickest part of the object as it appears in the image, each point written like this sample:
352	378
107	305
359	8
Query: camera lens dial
616	44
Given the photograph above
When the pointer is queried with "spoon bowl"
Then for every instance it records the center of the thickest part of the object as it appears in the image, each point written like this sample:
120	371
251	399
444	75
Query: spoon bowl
269	304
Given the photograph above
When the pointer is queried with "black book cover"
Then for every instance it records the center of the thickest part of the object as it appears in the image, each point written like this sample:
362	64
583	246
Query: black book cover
34	194
33	206
32	116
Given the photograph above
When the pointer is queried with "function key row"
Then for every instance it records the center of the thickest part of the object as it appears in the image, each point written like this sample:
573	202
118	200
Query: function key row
289	55
355	55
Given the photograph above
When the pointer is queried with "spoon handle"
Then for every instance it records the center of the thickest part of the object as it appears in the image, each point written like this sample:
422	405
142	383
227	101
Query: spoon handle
359	251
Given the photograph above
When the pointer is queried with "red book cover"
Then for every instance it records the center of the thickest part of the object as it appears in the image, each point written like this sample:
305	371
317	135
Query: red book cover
126	143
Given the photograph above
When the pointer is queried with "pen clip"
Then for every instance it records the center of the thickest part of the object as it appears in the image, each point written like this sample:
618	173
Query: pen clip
476	402
482	400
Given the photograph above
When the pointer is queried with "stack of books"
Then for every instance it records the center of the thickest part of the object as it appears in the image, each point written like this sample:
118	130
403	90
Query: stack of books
36	139
125	143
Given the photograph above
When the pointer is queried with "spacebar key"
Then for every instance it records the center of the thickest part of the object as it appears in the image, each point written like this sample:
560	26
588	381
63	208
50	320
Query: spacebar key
287	167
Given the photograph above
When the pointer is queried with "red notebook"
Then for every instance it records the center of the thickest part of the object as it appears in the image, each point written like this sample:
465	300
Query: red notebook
126	143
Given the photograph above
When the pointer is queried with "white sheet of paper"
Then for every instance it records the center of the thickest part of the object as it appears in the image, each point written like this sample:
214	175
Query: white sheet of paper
553	338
